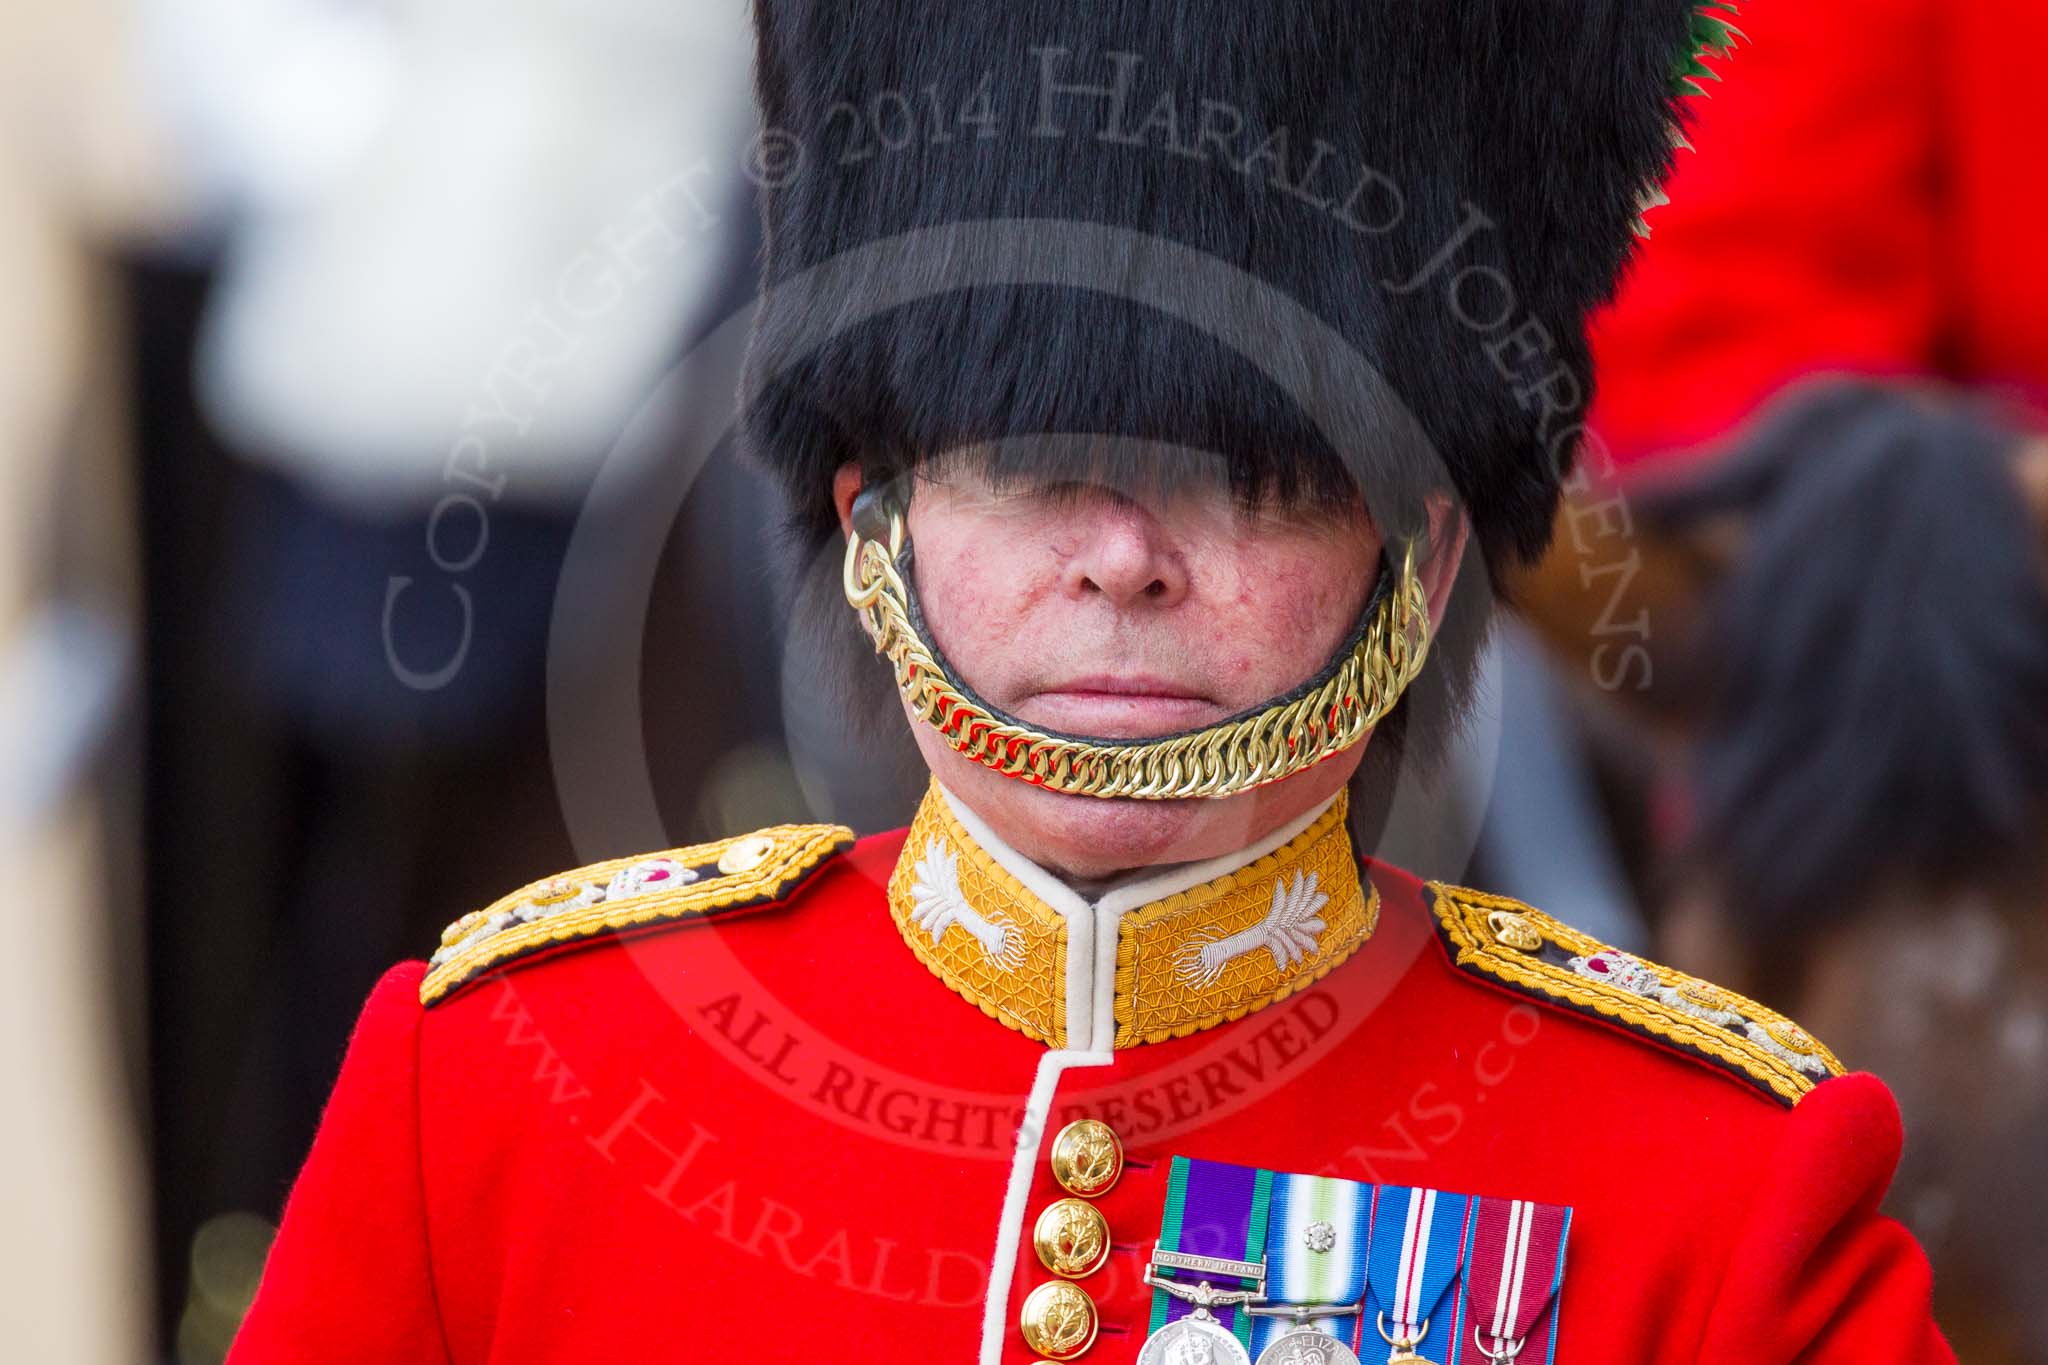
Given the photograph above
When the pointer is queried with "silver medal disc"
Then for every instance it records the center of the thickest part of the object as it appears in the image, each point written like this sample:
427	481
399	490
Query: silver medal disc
1193	1341
1306	1346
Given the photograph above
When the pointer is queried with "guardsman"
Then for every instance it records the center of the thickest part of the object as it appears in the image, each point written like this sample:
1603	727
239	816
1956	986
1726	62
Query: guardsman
1159	385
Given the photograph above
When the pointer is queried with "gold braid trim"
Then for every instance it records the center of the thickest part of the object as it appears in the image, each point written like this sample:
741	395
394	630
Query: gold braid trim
1221	760
1504	939
729	875
1011	964
1155	1000
1024	987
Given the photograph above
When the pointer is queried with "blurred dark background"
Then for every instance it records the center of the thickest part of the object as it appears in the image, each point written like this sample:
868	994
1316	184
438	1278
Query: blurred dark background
368	375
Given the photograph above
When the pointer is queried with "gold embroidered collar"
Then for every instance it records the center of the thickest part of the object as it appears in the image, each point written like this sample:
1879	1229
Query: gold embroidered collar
1125	970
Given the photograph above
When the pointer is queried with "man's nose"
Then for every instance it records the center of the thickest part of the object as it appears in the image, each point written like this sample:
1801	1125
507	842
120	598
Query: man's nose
1125	556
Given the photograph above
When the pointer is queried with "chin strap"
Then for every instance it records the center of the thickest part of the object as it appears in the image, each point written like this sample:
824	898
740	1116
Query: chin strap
1325	716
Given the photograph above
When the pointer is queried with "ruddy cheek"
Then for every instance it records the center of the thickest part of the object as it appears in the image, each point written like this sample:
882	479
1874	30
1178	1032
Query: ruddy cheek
1321	602
1282	629
1229	655
976	616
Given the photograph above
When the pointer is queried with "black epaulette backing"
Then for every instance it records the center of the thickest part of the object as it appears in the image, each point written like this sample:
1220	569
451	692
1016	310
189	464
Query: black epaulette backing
1529	951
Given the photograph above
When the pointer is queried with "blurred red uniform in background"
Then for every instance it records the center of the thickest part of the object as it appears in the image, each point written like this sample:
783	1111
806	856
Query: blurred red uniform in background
1868	198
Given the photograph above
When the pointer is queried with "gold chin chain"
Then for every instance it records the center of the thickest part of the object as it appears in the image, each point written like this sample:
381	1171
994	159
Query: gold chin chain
1224	759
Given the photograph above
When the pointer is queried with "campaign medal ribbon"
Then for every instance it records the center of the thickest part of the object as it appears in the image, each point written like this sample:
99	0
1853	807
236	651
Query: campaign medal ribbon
1318	1232
1516	1266
1209	1262
1418	1247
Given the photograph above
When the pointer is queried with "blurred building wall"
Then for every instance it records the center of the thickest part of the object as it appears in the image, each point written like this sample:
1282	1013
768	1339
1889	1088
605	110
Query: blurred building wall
78	167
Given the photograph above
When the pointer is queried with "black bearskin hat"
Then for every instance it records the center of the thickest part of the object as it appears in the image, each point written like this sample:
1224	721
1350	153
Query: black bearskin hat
1241	228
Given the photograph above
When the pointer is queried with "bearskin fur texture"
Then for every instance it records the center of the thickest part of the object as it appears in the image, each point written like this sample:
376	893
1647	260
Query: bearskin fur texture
1345	243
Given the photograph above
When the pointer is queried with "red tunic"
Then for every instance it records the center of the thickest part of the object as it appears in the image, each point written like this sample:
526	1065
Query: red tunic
1866	198
784	1136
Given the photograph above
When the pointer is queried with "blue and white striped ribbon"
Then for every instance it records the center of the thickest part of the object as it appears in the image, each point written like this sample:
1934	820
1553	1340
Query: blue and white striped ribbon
1296	1273
1418	1248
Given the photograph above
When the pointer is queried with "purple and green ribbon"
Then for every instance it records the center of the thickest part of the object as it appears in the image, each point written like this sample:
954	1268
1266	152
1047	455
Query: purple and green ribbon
1218	1210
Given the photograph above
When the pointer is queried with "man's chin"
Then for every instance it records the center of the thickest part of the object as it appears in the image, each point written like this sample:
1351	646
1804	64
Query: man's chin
1086	838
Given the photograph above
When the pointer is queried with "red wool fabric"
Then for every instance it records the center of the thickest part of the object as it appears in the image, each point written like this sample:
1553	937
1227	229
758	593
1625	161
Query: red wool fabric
1864	199
781	1136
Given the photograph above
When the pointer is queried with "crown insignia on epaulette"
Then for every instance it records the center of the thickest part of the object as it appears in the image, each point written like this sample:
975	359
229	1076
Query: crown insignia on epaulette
701	882
1507	941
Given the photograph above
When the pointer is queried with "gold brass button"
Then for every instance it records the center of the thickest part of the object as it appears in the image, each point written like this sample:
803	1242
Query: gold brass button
1058	1319
1514	931
1071	1238
746	855
1087	1158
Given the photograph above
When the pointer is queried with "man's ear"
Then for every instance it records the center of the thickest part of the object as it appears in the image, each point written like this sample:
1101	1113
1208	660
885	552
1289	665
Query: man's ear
846	484
1449	533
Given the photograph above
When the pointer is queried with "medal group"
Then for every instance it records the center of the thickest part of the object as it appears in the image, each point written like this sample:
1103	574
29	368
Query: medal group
1283	1269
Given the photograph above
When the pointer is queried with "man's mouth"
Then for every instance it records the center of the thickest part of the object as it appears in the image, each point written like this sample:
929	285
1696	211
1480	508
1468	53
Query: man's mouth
1120	706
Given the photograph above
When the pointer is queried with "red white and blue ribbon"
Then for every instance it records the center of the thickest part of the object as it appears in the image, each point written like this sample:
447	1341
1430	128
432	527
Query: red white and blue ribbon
1418	1248
1317	1234
1508	1310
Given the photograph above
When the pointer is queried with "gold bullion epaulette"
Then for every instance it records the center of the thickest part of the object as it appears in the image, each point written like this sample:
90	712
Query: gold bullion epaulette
621	895
1493	936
